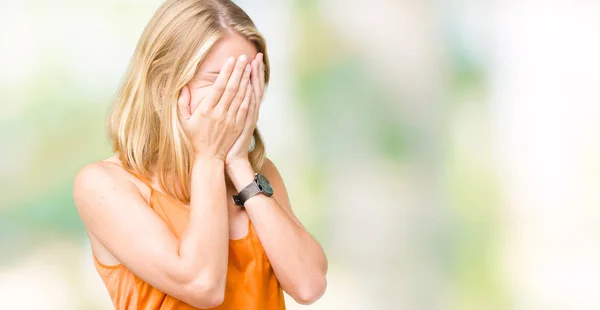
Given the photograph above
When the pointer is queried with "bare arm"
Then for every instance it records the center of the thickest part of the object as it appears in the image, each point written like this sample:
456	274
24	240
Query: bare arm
298	260
192	270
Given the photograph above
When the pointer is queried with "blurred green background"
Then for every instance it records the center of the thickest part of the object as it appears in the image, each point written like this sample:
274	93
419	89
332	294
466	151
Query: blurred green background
444	153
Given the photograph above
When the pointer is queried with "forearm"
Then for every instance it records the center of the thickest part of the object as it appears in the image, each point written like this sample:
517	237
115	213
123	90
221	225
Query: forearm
297	258
295	255
204	245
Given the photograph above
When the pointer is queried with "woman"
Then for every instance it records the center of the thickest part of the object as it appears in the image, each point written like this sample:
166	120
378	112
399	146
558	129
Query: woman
177	218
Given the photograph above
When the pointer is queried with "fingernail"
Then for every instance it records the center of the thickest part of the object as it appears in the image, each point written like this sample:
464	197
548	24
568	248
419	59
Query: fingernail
243	58
230	60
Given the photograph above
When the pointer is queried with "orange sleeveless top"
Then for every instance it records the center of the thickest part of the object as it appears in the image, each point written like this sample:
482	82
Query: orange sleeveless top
251	282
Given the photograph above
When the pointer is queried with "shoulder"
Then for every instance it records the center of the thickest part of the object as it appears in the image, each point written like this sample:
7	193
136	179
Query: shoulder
97	173
269	169
280	193
92	175
97	179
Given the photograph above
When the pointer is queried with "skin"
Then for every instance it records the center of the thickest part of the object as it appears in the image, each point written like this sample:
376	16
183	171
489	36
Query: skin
219	109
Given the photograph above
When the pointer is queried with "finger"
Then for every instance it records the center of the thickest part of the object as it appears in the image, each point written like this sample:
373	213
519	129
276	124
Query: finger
183	103
261	70
233	85
257	111
243	110
256	79
220	84
241	94
249	121
250	118
252	122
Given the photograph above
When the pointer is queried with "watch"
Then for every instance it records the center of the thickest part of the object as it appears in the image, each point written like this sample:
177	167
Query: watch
260	185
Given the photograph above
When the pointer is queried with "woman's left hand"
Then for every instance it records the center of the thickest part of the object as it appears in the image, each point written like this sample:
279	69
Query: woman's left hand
239	150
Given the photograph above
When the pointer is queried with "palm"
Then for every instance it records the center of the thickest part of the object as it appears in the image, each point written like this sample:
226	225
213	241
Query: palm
239	150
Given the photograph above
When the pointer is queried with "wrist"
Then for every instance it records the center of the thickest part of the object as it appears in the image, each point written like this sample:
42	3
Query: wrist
240	163
207	160
240	173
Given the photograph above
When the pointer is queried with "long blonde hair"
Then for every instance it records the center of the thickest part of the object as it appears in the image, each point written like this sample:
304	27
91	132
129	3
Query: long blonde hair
143	124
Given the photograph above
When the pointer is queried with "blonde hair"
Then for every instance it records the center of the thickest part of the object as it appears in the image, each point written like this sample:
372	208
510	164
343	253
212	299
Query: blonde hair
143	124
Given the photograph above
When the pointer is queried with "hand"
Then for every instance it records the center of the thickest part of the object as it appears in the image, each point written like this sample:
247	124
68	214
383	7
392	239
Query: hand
219	119
239	150
258	77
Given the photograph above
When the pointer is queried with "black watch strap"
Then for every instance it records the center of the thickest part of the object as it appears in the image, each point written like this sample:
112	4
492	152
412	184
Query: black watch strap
248	192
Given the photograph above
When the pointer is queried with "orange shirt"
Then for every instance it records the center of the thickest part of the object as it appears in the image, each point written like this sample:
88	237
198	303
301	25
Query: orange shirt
251	283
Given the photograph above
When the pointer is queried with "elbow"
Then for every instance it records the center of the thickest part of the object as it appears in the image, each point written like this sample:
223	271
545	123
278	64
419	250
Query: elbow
310	292
206	292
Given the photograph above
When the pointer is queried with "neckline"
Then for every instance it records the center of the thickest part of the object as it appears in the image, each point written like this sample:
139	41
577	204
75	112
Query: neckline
174	201
182	206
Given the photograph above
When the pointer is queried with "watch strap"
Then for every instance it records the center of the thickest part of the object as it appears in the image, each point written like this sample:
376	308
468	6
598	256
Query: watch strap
248	192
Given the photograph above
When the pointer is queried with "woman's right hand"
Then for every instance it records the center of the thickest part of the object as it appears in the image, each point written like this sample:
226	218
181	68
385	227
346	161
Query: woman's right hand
219	118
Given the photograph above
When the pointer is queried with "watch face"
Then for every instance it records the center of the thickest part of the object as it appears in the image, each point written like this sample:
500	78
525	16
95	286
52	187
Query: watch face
264	184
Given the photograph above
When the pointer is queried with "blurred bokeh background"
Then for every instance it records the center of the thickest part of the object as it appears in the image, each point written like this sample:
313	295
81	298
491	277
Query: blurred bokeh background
445	153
